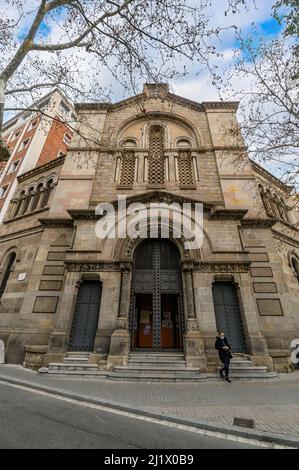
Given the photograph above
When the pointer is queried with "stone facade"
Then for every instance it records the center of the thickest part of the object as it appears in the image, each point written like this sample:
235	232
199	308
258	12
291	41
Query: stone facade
56	248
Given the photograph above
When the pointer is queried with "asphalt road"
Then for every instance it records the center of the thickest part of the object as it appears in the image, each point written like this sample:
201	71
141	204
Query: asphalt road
29	420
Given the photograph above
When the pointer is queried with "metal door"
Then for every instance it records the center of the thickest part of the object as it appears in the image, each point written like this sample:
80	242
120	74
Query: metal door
86	316
228	316
157	271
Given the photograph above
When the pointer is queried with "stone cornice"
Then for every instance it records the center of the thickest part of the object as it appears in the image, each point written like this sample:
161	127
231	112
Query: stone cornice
83	214
21	233
234	148
228	105
285	238
83	266
228	214
220	105
41	169
217	266
152	196
26	215
258	223
53	222
92	106
262	171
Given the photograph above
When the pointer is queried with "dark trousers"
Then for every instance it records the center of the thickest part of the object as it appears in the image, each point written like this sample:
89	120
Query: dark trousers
225	366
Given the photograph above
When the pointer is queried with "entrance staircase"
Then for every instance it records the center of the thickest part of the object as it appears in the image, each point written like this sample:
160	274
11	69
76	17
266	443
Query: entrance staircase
75	364
242	367
156	367
152	367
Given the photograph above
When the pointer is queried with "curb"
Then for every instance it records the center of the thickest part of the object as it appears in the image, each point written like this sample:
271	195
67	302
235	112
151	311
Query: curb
265	437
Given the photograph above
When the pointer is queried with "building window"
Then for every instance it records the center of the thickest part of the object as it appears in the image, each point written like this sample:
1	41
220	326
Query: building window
35	198
63	108
185	167
16	135
274	206
67	138
127	172
47	193
61	154
295	266
18	204
156	164
33	124
26	201
3	191
25	143
14	166
184	163
7	272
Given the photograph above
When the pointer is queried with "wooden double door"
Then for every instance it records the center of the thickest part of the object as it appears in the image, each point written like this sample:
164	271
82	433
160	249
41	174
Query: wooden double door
156	309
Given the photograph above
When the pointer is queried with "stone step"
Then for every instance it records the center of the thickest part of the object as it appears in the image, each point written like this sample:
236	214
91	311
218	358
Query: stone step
72	366
242	363
88	373
158	364
254	375
157	357
69	359
156	373
156	368
77	354
157	377
249	371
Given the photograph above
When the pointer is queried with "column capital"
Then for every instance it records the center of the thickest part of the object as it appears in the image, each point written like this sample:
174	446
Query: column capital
188	266
126	266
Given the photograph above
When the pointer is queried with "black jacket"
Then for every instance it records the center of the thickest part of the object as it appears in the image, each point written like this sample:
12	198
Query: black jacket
223	353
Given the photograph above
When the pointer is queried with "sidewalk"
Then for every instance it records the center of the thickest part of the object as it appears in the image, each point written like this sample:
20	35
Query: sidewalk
274	405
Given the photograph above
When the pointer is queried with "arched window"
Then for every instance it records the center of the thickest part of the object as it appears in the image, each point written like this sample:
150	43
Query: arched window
19	203
269	204
183	144
36	197
184	163
7	271
295	265
47	193
128	163
156	163
27	200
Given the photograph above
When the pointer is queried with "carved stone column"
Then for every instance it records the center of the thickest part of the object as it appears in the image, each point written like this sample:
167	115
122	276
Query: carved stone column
23	205
194	342
12	208
121	337
33	195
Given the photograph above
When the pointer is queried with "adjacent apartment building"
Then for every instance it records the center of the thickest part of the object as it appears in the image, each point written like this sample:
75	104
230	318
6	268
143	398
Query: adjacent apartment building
34	137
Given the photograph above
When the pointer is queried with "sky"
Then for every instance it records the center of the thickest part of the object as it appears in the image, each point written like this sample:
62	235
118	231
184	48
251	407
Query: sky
196	85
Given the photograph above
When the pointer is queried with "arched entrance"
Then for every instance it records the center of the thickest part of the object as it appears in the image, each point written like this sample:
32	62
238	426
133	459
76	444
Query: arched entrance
156	316
86	316
228	315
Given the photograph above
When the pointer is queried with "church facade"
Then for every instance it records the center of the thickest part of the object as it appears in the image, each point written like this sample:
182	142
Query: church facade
63	288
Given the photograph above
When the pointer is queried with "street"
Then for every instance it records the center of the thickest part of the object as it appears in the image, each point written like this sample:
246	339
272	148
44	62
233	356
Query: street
30	420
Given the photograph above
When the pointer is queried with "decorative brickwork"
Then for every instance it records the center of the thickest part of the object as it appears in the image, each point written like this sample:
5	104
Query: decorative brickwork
185	167
156	156
127	168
